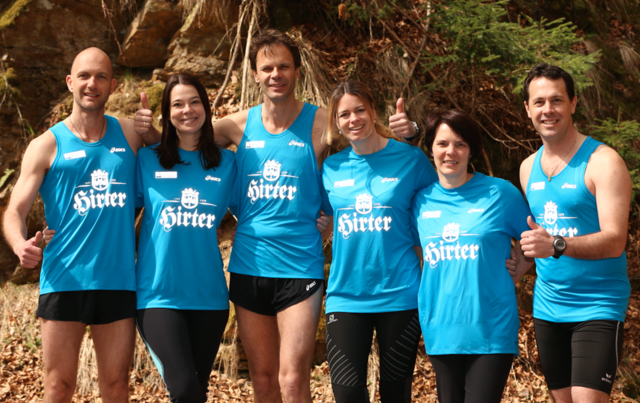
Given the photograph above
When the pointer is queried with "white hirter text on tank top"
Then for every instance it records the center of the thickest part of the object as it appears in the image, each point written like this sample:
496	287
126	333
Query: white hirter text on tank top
550	218
99	195
270	186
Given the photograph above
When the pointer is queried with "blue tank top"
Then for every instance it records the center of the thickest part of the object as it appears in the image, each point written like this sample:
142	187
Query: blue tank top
277	201
179	264
569	289
374	266
88	199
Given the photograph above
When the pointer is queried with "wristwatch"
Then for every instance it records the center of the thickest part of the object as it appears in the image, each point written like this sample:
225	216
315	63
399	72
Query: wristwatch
410	139
559	245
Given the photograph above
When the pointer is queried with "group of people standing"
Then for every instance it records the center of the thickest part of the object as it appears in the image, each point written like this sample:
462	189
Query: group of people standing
387	207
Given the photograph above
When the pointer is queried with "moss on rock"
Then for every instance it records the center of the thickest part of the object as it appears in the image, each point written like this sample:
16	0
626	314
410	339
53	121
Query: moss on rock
9	14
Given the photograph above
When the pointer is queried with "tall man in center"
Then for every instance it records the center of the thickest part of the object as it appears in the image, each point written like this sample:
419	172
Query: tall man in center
277	263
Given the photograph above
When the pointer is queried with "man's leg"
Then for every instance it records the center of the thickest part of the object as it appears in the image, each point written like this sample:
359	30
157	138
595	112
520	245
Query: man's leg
261	342
298	325
114	344
554	349
60	348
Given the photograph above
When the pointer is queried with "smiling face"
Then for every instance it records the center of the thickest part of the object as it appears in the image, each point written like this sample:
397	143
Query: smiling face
550	108
91	80
187	113
353	119
450	153
276	72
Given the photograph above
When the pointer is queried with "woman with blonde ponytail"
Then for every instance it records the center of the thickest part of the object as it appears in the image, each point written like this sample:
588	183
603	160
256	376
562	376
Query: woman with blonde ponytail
375	273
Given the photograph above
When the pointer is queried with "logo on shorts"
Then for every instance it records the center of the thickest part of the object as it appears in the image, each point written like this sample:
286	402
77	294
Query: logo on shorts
607	379
310	286
331	319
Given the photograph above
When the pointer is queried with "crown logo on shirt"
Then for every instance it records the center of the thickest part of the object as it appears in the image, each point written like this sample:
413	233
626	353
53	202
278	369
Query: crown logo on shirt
271	170
364	203
451	232
99	179
550	213
189	198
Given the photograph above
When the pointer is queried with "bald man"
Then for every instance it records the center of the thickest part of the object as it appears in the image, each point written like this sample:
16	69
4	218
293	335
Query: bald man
84	170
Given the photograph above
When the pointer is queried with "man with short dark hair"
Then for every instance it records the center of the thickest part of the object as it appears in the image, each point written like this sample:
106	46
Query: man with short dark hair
579	191
84	170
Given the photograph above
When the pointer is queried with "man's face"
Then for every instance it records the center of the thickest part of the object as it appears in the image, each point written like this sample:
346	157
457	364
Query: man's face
91	80
276	73
550	108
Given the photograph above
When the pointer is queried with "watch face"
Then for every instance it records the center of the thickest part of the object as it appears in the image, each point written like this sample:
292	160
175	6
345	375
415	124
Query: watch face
559	244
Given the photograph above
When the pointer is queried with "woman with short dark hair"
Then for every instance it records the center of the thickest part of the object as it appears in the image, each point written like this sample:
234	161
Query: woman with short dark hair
467	301
184	183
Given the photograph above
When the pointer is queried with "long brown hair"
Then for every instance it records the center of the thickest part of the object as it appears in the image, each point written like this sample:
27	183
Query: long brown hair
167	150
356	88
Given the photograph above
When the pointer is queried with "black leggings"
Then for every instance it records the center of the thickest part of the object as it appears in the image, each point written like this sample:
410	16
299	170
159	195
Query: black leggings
471	378
349	338
183	345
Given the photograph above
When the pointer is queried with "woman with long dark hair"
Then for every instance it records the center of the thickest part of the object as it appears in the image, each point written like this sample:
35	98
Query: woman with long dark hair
184	184
375	272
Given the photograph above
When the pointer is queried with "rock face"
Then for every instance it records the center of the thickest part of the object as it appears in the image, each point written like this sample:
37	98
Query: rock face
199	48
149	34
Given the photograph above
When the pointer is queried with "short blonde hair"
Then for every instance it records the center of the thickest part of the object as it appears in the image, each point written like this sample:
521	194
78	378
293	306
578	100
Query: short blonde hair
356	88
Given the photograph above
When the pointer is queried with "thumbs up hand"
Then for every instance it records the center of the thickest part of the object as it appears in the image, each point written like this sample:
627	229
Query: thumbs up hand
399	123
536	242
29	252
144	116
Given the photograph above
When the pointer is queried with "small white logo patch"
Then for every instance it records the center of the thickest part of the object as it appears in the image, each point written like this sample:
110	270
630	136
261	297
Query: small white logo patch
167	175
537	186
211	178
117	150
344	184
331	319
475	210
295	143
255	144
310	286
568	186
74	155
389	180
431	214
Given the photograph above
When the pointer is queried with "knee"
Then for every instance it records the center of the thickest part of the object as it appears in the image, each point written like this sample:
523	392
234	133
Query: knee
59	390
115	388
293	383
265	380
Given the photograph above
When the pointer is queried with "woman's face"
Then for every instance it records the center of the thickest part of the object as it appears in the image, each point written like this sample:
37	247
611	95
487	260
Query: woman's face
450	152
186	110
353	119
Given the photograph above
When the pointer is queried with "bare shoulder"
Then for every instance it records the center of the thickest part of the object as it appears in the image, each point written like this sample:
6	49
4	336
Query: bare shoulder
605	164
525	170
230	128
320	126
133	138
41	151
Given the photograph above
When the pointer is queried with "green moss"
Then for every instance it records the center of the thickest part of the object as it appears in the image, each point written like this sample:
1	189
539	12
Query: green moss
12	78
154	95
12	12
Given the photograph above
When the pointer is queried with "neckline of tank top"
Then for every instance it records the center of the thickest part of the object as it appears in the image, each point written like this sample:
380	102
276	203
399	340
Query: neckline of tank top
288	129
97	143
568	163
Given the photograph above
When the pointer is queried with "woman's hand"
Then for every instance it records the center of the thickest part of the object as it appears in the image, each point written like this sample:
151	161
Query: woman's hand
47	233
325	225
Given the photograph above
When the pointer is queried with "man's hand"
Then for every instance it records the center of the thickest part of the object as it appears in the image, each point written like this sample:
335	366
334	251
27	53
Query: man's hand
512	263
29	252
47	233
537	242
399	123
144	116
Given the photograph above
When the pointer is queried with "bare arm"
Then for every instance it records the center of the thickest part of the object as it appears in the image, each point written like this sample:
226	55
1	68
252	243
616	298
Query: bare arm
608	179
230	129
37	160
319	127
525	172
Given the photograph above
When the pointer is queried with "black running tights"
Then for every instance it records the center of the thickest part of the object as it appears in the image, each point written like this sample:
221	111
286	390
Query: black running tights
349	337
183	345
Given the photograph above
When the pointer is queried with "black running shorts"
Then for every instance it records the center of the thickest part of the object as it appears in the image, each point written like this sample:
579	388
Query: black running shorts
268	296
96	307
579	353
